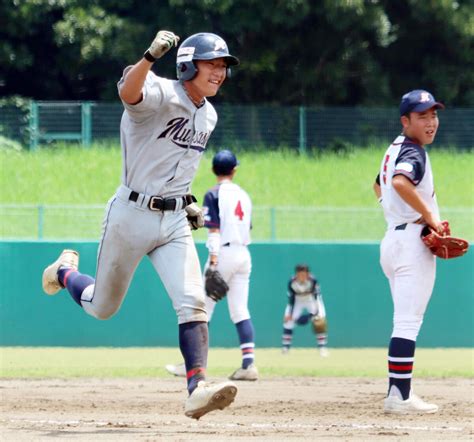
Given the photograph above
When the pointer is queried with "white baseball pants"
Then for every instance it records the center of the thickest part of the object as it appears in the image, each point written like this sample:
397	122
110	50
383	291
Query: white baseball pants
411	269
235	266
302	303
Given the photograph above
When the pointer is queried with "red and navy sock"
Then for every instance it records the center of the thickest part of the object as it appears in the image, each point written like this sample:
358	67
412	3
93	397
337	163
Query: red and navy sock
75	282
247	344
322	339
194	343
401	355
287	338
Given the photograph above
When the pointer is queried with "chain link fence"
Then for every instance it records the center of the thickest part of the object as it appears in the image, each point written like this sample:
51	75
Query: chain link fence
278	224
240	126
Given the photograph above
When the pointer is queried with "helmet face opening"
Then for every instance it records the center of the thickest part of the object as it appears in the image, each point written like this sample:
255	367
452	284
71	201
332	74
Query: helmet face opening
202	46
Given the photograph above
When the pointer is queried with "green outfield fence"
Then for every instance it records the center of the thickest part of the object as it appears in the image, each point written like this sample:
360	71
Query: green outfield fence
356	295
274	224
37	123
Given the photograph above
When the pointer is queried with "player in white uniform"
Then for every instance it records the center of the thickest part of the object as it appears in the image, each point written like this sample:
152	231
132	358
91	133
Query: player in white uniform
164	131
305	304
405	189
228	213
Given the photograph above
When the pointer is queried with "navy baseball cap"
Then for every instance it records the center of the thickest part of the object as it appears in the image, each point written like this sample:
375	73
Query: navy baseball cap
223	162
418	100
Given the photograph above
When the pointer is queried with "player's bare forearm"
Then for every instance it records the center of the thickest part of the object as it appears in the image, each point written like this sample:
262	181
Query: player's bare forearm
407	190
213	257
131	90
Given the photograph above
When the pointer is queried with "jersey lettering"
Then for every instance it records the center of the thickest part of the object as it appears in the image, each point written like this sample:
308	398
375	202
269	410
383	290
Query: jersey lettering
238	212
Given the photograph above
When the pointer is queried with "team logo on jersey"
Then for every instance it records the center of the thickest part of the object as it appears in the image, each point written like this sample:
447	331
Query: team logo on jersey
220	44
179	133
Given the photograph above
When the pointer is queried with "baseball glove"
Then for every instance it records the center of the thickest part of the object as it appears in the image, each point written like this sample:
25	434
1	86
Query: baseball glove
444	246
216	287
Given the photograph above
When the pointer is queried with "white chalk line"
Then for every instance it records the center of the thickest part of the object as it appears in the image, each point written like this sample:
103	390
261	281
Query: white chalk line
275	426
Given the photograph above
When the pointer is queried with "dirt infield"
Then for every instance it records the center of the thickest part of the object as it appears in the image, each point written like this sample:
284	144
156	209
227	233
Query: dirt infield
269	409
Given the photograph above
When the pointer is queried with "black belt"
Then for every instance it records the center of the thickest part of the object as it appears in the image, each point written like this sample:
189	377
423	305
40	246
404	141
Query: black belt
159	203
401	226
404	225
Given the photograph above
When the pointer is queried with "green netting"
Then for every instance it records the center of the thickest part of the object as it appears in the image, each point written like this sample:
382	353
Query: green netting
239	126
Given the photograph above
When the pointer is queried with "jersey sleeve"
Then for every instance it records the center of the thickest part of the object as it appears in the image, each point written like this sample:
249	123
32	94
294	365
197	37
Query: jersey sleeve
291	295
315	287
411	163
210	208
153	95
317	290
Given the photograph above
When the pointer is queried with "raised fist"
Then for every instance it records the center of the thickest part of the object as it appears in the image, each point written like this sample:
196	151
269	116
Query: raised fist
162	43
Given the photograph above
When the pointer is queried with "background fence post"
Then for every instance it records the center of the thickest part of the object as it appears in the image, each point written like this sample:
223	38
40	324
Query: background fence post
40	221
272	224
302	131
86	124
33	125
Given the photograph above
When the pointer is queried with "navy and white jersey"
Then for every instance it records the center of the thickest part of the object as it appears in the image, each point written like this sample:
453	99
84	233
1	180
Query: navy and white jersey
303	290
404	157
228	207
163	138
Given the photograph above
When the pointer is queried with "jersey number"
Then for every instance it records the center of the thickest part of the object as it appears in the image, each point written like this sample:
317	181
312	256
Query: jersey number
238	212
384	172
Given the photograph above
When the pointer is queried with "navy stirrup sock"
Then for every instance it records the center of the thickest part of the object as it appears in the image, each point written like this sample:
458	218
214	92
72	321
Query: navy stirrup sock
75	282
194	342
247	344
401	355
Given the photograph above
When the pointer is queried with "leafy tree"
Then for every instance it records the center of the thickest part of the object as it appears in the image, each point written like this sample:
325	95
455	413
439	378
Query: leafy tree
325	52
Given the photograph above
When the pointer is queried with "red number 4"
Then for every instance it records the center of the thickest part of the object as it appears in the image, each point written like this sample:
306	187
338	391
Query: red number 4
238	212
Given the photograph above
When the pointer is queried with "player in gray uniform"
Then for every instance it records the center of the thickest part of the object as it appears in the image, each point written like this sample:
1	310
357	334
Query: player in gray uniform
405	189
164	131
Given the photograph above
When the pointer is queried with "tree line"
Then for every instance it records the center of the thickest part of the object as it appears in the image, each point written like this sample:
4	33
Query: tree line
292	52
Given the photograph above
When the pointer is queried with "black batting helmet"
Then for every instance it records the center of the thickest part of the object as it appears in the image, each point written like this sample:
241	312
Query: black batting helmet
202	46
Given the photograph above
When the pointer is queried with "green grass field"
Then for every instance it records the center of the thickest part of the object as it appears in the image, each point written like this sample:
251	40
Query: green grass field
325	196
60	362
73	175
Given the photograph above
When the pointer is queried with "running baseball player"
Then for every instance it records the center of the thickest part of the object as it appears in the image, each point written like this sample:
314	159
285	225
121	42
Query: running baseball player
305	304
228	212
404	187
164	131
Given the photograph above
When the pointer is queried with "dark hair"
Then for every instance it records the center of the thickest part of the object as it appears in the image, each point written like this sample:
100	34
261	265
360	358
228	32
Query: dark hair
302	268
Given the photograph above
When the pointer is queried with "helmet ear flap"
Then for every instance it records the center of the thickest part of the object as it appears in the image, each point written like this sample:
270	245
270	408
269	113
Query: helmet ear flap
186	71
228	72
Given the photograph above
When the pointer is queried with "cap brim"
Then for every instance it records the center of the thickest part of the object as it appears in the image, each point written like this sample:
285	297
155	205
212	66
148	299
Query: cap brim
425	106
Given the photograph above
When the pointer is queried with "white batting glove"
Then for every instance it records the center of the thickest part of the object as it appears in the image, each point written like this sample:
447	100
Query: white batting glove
162	43
195	216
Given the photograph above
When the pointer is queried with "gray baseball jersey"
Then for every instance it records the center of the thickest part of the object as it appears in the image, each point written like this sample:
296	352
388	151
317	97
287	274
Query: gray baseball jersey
163	138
